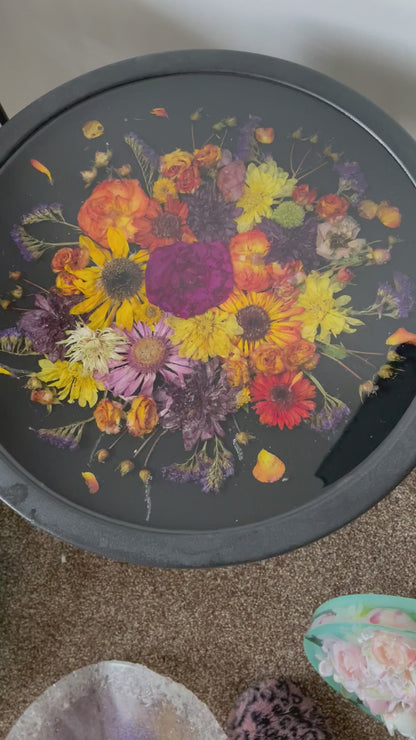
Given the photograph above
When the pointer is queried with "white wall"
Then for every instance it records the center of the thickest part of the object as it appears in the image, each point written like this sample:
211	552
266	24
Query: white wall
368	44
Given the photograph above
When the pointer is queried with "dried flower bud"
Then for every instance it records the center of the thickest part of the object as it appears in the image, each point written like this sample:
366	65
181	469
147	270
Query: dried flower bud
102	455
297	134
145	476
17	292
126	466
366	389
394	356
89	176
244	438
102	159
124	170
314	139
385	372
231	122
381	256
16	274
5	303
33	383
46	397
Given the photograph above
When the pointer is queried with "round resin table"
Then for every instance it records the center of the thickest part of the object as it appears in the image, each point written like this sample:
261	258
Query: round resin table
208	292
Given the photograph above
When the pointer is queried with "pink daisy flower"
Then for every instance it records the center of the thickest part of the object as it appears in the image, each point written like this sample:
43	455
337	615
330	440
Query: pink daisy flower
147	353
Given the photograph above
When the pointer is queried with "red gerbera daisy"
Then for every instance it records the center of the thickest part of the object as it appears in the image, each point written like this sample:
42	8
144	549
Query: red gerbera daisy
160	227
282	400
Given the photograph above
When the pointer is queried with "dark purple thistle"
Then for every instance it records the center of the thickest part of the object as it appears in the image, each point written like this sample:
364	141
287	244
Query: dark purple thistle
198	408
209	216
48	323
289	245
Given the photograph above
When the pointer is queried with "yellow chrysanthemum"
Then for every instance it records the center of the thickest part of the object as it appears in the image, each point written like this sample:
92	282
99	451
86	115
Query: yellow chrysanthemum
162	188
73	383
243	398
114	289
265	184
263	318
324	315
212	334
149	314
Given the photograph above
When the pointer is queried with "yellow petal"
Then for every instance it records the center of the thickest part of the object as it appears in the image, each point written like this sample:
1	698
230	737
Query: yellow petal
99	319
3	371
91	482
89	304
124	316
95	253
92	129
117	242
268	468
401	336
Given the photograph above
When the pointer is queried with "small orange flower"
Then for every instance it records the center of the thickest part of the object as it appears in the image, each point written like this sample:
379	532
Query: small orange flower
162	188
247	252
74	259
107	415
401	336
267	359
188	180
264	135
269	468
367	209
91	482
207	156
345	275
300	354
381	256
92	129
142	416
163	226
285	281
236	369
46	397
174	163
331	207
303	196
113	204
389	216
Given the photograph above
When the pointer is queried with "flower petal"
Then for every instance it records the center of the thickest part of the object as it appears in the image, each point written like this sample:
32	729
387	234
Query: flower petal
96	254
117	242
124	316
268	468
401	336
91	482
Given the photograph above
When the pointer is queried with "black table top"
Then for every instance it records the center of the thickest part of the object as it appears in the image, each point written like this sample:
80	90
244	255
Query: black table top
208	294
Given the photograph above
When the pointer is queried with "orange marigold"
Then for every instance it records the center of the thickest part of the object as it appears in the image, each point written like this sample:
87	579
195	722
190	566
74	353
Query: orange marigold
332	207
267	359
207	156
300	354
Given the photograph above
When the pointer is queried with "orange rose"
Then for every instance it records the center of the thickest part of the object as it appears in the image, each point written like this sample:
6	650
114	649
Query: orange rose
189	180
367	209
285	280
331	207
174	163
247	253
389	215
65	283
267	359
300	354
207	156
236	370
142	416
113	203
107	415
247	277
303	196
75	259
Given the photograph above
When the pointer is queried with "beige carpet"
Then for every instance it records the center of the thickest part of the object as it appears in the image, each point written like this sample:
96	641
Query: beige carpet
214	631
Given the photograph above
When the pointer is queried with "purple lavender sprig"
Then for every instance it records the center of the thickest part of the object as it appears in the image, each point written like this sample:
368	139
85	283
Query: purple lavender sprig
67	437
247	148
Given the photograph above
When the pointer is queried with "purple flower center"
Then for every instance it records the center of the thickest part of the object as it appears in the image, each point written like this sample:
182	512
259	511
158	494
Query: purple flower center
281	395
254	321
150	354
167	226
121	278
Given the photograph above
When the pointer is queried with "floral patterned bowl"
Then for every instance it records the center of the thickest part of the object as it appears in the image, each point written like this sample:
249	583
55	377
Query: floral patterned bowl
364	646
116	701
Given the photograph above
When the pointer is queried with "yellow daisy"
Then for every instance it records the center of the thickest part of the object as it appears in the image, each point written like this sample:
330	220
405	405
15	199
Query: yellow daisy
71	379
322	312
114	288
265	184
211	334
162	188
263	318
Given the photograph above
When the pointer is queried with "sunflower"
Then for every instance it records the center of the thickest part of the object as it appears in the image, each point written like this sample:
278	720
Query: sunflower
72	381
263	318
114	289
282	400
212	334
323	314
264	185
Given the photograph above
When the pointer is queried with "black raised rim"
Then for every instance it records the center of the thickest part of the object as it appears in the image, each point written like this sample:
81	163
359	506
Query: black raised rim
342	501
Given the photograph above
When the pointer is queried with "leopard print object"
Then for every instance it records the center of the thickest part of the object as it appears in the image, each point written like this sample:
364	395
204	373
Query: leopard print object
276	710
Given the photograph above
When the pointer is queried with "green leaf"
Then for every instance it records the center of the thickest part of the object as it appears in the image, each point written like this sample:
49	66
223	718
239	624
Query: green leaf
336	351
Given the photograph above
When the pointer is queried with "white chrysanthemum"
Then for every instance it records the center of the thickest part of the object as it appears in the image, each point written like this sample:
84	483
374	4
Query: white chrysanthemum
94	349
